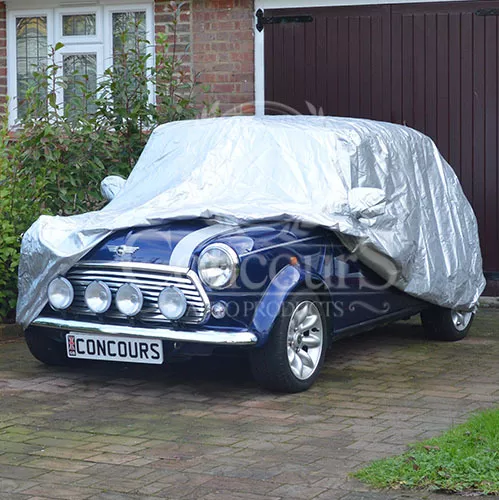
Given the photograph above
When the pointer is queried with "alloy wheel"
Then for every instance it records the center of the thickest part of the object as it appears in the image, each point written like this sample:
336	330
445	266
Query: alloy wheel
305	340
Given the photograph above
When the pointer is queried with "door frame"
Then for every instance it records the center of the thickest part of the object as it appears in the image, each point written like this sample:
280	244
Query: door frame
294	4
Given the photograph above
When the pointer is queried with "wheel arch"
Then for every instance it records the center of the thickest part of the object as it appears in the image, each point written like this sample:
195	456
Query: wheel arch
288	281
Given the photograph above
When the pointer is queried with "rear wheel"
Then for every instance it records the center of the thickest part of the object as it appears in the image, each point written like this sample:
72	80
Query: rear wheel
45	348
292	358
446	324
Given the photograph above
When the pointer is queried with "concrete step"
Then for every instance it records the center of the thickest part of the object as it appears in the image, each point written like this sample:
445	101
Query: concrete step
10	331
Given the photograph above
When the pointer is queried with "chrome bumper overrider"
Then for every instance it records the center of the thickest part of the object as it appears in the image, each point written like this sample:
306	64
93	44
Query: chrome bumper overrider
202	336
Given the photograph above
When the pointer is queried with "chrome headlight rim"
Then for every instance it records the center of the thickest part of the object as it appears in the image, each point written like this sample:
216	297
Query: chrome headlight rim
234	260
183	310
109	296
140	296
70	289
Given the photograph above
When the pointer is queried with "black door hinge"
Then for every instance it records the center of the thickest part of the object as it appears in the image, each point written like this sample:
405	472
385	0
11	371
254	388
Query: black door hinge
262	20
487	12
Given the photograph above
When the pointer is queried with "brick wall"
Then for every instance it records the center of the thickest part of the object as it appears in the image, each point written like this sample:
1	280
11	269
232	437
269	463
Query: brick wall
218	38
3	56
222	51
163	17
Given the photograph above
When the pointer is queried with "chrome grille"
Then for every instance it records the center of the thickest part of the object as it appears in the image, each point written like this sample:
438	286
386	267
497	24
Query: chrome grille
150	278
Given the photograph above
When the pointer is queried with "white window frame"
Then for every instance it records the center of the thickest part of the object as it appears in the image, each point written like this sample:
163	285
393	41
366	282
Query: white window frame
101	43
77	39
109	10
76	50
295	4
12	52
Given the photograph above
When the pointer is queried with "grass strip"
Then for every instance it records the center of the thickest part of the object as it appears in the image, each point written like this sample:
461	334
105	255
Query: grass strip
464	459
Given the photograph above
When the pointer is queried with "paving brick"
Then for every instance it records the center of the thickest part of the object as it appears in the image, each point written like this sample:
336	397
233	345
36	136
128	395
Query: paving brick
121	496
231	495
54	442
7	458
298	491
112	458
15	485
70	454
59	492
17	472
57	464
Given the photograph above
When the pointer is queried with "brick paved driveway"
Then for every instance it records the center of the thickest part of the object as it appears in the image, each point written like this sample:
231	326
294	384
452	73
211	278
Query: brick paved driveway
203	430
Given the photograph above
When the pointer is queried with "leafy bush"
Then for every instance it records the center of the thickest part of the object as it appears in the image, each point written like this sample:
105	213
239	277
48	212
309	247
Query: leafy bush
56	159
9	232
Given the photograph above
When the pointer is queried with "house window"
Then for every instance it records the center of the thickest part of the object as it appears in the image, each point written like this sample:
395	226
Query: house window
79	25
81	77
31	52
128	29
92	39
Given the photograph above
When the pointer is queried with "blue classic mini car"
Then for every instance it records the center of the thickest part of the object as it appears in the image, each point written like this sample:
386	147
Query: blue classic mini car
272	236
281	291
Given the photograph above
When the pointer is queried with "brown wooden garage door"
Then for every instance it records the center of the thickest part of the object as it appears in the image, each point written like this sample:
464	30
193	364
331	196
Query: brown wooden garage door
431	66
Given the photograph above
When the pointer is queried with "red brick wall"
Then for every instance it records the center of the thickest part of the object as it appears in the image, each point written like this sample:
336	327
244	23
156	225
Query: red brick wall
163	17
222	51
3	56
218	38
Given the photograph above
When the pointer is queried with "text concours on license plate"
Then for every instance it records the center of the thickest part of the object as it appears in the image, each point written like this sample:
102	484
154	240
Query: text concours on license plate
114	348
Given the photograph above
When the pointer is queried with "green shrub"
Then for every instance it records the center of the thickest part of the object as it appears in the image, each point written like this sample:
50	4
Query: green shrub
56	159
9	229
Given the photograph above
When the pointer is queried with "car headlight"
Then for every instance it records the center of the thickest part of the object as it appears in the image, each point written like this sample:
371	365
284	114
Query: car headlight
218	266
60	293
98	297
172	303
129	299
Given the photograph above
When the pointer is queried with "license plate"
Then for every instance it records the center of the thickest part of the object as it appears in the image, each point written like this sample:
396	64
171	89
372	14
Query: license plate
114	348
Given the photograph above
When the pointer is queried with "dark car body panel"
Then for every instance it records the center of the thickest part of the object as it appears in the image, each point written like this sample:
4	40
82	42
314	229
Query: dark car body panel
276	259
155	244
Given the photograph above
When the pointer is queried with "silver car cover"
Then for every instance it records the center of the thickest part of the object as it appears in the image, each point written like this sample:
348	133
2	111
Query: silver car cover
384	188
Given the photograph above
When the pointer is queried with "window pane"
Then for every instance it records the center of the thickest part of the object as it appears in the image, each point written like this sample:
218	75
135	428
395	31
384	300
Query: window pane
129	32
80	75
129	50
31	45
79	25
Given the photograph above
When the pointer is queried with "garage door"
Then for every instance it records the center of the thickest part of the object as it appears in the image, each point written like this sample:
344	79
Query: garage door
431	66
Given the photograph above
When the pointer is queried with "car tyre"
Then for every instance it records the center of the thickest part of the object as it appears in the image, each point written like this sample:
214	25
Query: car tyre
293	356
446	324
44	348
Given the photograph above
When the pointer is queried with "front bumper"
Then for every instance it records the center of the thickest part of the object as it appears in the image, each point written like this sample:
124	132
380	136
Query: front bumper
213	337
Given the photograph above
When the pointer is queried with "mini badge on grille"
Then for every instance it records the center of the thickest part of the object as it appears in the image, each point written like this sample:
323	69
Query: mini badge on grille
122	250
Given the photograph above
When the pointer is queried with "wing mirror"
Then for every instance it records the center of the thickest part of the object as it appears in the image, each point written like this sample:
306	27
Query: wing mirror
366	202
111	186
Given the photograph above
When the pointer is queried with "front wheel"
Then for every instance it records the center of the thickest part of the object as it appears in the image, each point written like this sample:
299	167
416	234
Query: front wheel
446	324
291	359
